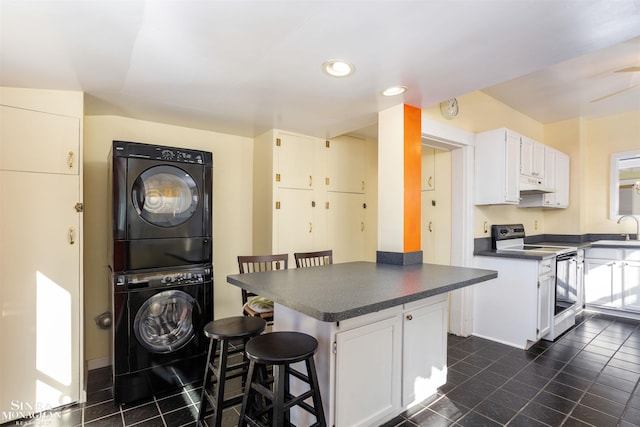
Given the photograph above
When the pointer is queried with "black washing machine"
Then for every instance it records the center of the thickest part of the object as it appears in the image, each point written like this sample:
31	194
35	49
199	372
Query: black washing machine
158	342
160	206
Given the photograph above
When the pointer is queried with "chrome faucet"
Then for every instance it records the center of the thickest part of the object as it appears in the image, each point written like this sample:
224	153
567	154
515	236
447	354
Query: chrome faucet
637	224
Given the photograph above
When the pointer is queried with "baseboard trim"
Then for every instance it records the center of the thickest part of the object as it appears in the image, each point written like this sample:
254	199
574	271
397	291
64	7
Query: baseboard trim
103	362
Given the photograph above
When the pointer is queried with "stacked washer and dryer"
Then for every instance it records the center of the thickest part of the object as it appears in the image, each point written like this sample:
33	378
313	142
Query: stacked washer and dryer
160	266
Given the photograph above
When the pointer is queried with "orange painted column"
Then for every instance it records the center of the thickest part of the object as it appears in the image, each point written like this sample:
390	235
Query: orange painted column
399	175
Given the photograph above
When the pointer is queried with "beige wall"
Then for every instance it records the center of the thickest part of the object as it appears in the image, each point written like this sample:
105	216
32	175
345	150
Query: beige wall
569	136
232	210
589	145
478	113
604	137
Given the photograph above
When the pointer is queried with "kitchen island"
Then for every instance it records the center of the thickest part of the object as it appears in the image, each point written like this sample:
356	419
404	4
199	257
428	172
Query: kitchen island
381	330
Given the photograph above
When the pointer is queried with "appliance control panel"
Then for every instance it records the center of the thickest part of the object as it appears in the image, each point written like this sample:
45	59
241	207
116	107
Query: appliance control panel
159	152
162	278
508	231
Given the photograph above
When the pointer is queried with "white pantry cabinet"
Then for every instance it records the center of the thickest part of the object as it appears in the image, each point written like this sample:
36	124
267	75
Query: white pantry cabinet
346	225
40	251
428	168
497	167
309	194
36	141
346	166
295	161
435	218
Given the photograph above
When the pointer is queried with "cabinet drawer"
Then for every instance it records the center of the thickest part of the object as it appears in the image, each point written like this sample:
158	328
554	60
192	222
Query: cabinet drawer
604	253
545	267
632	254
366	319
425	302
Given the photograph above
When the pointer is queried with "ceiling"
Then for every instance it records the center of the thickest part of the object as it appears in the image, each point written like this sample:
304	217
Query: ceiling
243	67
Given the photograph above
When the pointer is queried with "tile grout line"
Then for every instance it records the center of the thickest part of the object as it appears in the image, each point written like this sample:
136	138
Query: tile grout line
636	388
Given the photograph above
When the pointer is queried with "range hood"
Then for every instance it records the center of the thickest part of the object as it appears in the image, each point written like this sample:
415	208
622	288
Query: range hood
531	185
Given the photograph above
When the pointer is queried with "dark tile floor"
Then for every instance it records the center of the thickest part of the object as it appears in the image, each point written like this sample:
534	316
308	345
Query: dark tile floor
589	377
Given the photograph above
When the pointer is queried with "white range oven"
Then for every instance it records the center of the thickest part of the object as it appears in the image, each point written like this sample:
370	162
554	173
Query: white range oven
565	295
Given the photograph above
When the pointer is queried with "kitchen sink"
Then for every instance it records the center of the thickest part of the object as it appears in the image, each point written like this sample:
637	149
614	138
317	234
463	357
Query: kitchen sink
630	243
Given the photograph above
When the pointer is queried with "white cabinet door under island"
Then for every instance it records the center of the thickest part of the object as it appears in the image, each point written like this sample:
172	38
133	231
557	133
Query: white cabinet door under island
371	321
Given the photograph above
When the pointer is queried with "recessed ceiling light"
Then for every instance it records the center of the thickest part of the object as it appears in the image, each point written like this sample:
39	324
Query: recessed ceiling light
338	68
394	90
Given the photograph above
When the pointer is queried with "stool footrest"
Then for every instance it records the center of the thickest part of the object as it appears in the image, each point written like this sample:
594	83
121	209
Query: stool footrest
227	337
231	401
300	375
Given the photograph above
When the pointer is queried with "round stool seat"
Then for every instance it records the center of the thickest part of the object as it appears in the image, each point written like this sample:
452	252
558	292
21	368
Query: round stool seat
234	327
278	348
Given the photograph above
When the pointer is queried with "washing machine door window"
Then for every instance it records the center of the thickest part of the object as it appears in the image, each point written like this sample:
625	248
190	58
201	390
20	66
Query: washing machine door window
164	323
165	196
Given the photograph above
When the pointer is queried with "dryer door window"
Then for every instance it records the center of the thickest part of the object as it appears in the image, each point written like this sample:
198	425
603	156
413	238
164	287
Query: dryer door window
164	323
165	196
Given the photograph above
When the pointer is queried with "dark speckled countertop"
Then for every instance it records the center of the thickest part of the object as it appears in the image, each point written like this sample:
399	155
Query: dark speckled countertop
341	291
531	254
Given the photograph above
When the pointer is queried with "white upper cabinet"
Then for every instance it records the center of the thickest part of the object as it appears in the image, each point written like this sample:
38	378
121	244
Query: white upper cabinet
51	146
562	168
497	167
556	177
532	158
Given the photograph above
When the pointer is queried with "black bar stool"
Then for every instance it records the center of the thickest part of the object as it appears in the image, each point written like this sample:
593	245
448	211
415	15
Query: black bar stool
224	330
279	349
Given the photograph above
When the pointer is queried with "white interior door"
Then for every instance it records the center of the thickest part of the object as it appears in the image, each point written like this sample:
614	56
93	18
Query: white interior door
39	291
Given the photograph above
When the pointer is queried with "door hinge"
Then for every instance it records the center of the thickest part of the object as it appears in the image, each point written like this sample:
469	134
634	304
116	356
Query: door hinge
326	205
335	347
327	143
327	181
277	177
277	205
79	207
537	331
278	142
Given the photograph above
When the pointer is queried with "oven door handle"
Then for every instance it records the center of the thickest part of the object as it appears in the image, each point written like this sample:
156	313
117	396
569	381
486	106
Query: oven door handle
568	256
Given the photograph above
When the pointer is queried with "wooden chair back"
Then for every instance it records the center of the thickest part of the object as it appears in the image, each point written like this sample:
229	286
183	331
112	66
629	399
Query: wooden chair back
313	259
256	263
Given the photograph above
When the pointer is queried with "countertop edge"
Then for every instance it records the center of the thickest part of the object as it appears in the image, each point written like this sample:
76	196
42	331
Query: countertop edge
348	314
614	246
326	316
514	254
